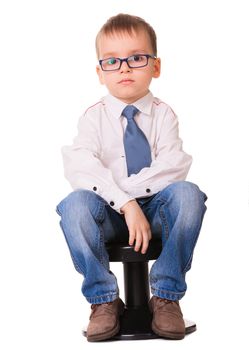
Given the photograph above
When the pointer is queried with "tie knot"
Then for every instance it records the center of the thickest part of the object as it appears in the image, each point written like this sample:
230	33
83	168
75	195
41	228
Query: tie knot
130	111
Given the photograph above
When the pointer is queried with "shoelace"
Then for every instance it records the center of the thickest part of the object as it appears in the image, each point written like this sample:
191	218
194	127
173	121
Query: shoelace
162	302
99	309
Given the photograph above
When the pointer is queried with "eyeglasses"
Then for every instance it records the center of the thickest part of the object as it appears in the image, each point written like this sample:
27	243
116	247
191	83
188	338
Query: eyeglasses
134	61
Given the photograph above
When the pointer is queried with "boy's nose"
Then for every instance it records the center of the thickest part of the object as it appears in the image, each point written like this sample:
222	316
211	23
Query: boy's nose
124	67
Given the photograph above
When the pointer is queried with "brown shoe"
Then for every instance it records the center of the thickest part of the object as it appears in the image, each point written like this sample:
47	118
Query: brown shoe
167	318
104	320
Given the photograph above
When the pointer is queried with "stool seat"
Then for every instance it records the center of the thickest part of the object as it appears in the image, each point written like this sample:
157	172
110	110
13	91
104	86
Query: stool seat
126	253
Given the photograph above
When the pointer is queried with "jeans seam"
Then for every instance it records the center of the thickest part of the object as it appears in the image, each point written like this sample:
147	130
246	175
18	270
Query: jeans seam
166	291
99	243
105	296
167	294
100	212
99	240
164	220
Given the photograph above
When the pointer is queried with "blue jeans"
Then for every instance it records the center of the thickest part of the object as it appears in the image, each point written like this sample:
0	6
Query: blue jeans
175	214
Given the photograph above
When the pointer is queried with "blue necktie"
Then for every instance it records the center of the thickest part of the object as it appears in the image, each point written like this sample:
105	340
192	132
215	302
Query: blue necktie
137	148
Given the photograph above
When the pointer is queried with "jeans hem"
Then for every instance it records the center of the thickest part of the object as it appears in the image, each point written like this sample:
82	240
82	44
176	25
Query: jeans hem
167	294
103	298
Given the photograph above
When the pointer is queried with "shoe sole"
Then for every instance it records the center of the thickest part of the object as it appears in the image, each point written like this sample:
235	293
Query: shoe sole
104	336
168	335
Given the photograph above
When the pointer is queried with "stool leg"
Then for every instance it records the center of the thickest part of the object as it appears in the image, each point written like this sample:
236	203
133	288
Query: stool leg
136	284
136	321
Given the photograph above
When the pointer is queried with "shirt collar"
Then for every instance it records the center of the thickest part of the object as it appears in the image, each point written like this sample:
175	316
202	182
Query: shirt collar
116	106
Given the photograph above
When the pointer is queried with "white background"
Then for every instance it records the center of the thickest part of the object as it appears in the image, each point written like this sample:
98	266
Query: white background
47	80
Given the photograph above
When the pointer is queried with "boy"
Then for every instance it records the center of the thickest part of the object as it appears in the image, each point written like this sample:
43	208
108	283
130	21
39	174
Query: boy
127	169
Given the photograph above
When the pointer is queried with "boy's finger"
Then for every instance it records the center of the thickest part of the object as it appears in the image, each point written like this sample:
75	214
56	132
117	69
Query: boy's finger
131	237
145	245
138	242
149	234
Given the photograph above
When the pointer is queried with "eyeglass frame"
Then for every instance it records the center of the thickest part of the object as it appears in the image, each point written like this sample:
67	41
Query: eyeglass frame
121	60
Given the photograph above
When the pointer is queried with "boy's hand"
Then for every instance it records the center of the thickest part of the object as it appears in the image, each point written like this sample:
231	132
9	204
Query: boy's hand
138	225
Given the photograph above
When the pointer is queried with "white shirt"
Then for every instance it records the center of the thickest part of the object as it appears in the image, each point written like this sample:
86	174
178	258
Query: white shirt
96	160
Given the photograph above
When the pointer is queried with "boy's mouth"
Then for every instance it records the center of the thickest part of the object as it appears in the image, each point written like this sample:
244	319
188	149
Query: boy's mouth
126	81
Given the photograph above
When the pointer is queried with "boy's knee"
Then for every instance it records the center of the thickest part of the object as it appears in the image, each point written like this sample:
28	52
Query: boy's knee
185	193
77	203
186	200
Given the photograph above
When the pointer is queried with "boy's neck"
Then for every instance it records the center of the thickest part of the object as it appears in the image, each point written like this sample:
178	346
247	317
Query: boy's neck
131	100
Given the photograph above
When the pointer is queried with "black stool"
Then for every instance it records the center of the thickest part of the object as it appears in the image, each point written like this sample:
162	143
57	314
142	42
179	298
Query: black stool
135	323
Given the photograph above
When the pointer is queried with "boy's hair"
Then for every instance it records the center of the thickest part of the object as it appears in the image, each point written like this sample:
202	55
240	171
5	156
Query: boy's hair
127	23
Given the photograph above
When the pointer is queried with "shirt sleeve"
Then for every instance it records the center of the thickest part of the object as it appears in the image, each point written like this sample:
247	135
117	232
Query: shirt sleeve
84	169
171	163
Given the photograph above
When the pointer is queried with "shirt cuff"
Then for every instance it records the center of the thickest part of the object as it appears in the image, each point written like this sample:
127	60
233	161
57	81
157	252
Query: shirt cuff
137	191
116	198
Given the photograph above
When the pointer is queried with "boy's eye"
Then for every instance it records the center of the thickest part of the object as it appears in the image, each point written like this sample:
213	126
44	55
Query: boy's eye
112	61
137	58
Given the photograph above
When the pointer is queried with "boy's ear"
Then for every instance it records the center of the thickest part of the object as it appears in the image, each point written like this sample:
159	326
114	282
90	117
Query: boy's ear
157	68
100	74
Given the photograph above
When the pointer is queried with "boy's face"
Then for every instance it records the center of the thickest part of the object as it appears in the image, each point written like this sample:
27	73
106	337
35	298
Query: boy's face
127	84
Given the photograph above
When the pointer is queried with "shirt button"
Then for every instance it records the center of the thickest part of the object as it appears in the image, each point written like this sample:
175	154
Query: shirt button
147	190
112	203
95	188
